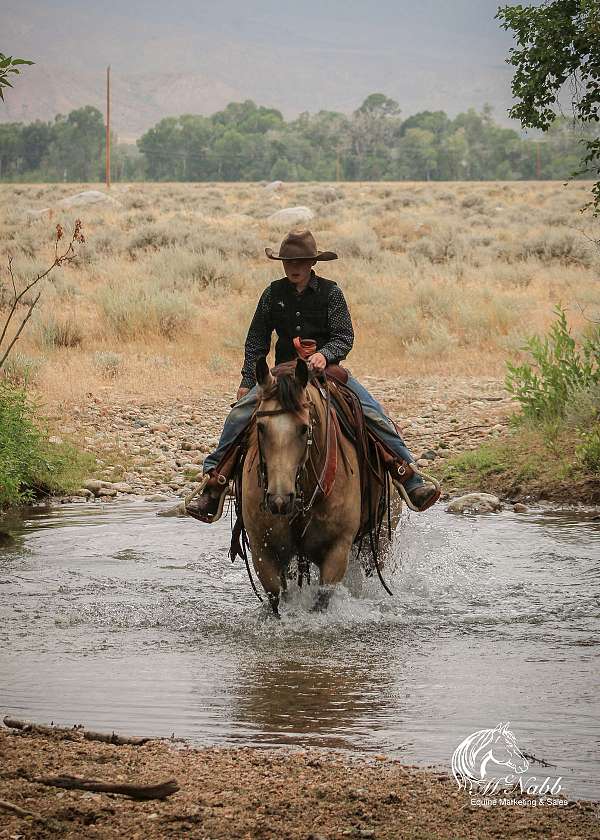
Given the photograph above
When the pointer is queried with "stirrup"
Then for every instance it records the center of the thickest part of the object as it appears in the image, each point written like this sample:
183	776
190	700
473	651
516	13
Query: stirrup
200	489
404	493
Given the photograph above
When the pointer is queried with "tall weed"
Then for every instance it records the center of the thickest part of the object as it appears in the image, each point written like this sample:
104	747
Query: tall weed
559	368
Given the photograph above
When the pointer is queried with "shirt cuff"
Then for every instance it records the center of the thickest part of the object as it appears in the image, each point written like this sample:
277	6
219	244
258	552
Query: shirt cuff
329	354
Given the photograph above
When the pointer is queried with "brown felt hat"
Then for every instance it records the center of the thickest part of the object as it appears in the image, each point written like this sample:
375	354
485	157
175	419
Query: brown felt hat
299	245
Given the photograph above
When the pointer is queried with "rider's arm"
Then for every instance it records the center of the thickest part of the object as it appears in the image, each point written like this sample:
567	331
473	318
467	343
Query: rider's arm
258	340
340	328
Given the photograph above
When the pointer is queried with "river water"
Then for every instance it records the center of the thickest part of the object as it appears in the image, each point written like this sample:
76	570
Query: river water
118	619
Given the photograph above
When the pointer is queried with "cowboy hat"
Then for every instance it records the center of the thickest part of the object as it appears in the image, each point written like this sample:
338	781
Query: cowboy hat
299	245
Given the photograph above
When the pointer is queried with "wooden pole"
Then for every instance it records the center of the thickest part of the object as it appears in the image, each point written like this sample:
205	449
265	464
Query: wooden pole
108	127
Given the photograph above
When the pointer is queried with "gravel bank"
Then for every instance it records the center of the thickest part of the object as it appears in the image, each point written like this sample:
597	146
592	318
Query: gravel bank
157	448
249	793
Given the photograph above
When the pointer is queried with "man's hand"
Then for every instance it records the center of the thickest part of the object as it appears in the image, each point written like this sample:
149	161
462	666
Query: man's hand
241	392
317	362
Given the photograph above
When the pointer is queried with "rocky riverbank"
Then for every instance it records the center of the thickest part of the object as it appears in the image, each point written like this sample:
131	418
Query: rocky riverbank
155	449
250	793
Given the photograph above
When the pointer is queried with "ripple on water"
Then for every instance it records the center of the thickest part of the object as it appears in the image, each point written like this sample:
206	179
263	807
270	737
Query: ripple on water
122	619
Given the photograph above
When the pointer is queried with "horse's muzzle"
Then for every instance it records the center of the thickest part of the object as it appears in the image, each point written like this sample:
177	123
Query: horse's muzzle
280	505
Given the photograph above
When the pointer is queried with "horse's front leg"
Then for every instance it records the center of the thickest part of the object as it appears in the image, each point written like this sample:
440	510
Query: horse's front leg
332	568
269	573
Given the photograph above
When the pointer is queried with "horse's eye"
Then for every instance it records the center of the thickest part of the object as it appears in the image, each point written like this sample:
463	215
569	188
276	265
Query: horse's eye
303	429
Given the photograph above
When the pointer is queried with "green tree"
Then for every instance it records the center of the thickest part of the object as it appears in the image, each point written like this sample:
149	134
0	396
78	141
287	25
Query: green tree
9	66
10	143
417	155
77	148
557	43
163	149
35	142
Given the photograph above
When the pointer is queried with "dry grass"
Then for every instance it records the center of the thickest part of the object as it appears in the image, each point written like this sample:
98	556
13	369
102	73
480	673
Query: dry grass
440	278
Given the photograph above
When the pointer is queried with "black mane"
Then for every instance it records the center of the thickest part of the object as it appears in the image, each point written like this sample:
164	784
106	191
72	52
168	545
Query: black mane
288	392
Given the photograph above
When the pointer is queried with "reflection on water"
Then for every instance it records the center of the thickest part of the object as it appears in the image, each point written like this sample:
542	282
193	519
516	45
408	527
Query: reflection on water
117	618
303	702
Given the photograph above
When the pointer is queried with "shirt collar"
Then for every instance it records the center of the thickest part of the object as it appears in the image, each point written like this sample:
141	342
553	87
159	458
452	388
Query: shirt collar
313	284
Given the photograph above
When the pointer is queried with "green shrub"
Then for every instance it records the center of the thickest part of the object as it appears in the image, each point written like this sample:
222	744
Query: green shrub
29	464
588	451
545	388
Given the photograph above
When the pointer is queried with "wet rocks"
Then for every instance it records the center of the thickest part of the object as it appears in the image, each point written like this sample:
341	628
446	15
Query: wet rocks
106	493
475	503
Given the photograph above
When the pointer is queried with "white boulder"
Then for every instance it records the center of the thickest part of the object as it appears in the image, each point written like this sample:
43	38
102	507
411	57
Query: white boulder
475	503
291	216
274	186
88	197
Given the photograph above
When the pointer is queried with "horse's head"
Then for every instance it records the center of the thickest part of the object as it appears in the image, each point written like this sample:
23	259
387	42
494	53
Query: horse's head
283	428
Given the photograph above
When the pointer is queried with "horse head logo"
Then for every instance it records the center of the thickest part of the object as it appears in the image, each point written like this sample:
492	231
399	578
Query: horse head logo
473	755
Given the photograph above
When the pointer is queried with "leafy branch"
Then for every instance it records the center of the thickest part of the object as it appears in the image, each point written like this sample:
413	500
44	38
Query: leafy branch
9	65
557	44
60	258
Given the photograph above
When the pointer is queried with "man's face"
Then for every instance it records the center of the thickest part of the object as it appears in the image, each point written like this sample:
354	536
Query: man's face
298	271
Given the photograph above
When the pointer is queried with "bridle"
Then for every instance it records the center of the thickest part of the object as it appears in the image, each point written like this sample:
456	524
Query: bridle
263	480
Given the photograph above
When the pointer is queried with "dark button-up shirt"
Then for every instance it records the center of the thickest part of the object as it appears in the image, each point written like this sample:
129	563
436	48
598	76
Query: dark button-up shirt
258	341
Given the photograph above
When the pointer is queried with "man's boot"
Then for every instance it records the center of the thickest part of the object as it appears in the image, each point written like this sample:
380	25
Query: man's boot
207	505
421	497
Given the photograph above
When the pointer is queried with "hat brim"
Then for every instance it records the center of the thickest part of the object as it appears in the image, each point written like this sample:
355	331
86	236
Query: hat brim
320	255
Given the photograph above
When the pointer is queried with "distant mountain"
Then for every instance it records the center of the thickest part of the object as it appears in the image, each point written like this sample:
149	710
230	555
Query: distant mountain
191	57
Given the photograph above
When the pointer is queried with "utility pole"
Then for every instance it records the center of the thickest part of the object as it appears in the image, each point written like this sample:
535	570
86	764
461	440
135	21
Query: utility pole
108	127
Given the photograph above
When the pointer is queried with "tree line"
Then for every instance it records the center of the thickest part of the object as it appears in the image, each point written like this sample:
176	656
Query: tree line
249	142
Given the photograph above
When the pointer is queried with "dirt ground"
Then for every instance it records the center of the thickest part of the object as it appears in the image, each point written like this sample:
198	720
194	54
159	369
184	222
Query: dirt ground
248	793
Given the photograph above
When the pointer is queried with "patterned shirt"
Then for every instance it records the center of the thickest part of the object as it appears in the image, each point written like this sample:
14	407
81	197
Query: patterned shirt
258	341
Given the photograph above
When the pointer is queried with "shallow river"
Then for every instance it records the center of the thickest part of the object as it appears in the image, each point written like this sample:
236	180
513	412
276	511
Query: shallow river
113	617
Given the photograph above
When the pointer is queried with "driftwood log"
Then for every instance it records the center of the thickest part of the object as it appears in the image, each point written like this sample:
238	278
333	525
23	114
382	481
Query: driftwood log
71	732
15	809
140	792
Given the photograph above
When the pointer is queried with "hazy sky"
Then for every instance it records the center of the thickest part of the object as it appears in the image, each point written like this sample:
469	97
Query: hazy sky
173	56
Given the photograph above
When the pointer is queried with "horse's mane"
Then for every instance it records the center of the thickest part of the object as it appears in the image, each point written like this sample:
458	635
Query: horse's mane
288	392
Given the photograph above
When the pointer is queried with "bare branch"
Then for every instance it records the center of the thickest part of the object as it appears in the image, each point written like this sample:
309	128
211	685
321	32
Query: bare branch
67	256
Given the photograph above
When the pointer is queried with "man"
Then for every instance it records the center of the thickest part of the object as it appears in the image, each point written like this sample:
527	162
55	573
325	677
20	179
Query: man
304	305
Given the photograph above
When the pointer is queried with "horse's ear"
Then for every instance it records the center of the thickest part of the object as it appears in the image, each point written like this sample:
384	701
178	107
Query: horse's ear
302	373
263	374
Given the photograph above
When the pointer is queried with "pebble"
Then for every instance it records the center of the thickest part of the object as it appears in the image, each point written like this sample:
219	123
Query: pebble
520	508
159	441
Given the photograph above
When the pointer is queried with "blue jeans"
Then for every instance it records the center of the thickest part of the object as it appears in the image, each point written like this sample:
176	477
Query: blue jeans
375	418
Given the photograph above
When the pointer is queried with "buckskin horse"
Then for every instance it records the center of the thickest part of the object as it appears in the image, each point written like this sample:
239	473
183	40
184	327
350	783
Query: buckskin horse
299	493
